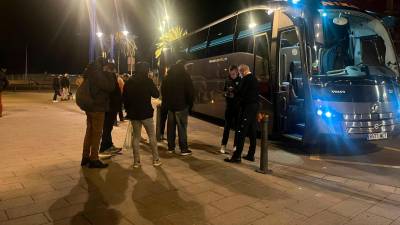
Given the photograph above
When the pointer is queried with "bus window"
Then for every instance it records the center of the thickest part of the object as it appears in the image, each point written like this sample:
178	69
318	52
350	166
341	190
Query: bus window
289	53
261	54
221	38
198	45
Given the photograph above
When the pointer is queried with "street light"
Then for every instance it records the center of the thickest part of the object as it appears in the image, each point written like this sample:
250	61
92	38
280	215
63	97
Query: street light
252	25
99	34
125	32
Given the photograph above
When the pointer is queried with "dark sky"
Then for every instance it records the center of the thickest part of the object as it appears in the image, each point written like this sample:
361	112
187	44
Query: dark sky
56	32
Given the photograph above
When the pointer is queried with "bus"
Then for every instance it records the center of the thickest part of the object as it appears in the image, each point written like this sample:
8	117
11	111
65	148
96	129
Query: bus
324	68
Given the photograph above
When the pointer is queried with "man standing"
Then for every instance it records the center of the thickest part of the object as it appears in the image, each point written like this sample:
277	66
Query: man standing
56	88
137	95
178	93
99	87
249	104
3	85
115	104
232	105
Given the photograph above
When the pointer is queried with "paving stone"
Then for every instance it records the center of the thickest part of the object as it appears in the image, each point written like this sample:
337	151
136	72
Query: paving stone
350	207
10	187
15	202
310	206
38	207
283	216
384	188
366	218
208	196
233	202
3	215
244	215
325	217
386	210
28	220
397	222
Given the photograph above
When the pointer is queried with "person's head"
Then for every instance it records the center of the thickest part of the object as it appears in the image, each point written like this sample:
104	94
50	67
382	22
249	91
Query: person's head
233	72
142	69
109	67
244	70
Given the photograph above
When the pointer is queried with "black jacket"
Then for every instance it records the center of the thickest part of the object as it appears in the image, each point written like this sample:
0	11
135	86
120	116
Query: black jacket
3	81
56	84
177	89
116	98
248	91
137	97
101	85
231	90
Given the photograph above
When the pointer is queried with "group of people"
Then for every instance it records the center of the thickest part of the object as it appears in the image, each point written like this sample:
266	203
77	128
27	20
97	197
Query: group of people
61	87
107	93
3	85
242	104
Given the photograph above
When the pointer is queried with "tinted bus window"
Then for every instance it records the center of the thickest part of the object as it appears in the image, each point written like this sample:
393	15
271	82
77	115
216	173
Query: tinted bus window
198	45
221	38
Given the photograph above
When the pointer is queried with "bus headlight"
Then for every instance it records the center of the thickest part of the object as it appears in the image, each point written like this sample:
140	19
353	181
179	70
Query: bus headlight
328	114
319	112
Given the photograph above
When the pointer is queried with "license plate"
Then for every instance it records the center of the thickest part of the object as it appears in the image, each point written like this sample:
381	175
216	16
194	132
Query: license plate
377	136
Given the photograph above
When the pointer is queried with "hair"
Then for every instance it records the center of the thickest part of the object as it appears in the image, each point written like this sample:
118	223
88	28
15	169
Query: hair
245	67
142	69
233	67
110	66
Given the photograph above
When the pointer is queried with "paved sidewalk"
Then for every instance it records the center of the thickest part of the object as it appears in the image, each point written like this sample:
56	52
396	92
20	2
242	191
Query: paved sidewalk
41	181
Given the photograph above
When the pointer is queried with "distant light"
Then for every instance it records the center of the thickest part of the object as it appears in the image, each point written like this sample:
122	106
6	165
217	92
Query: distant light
99	34
270	11
295	1
125	32
252	25
328	114
324	14
319	112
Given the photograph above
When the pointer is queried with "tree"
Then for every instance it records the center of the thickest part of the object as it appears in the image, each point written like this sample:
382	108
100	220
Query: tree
168	37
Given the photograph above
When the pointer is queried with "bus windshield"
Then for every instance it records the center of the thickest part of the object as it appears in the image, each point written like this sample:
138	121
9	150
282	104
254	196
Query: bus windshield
351	43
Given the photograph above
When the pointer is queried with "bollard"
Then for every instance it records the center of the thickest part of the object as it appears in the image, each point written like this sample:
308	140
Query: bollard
158	122
264	147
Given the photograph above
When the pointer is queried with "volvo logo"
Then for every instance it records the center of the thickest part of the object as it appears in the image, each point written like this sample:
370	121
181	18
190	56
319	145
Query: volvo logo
338	91
374	108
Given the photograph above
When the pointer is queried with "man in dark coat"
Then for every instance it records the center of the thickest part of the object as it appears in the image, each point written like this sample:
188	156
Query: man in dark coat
249	104
56	88
177	94
101	85
3	85
107	145
137	95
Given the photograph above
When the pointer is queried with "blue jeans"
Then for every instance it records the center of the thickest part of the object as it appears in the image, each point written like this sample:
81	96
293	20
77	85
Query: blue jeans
177	119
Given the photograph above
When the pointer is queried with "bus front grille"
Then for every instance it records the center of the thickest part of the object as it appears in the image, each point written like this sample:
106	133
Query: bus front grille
369	123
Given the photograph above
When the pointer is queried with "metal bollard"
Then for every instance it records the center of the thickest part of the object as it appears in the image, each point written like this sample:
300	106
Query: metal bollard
158	122
264	147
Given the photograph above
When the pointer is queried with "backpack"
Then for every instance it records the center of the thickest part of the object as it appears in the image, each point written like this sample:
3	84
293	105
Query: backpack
84	98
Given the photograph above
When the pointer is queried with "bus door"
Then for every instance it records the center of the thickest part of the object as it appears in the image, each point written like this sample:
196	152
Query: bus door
290	81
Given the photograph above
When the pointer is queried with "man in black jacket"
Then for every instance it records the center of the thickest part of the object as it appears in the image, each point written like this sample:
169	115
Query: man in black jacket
3	85
137	95
249	104
177	94
101	85
107	145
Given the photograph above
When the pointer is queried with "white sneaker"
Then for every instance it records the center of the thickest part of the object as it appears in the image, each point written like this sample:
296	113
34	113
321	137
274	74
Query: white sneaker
223	149
234	148
157	163
136	165
55	101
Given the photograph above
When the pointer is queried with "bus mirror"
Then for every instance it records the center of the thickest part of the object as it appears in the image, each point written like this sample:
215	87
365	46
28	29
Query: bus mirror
340	21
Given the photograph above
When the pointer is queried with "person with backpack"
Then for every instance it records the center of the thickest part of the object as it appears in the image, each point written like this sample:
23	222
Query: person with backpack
137	95
107	146
93	97
178	95
3	85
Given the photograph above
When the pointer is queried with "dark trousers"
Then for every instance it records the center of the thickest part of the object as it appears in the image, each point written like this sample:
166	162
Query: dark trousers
231	121
106	138
121	114
94	127
56	93
178	119
247	126
163	119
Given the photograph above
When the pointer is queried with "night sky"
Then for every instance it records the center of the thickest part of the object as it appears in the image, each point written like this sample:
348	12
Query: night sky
56	32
